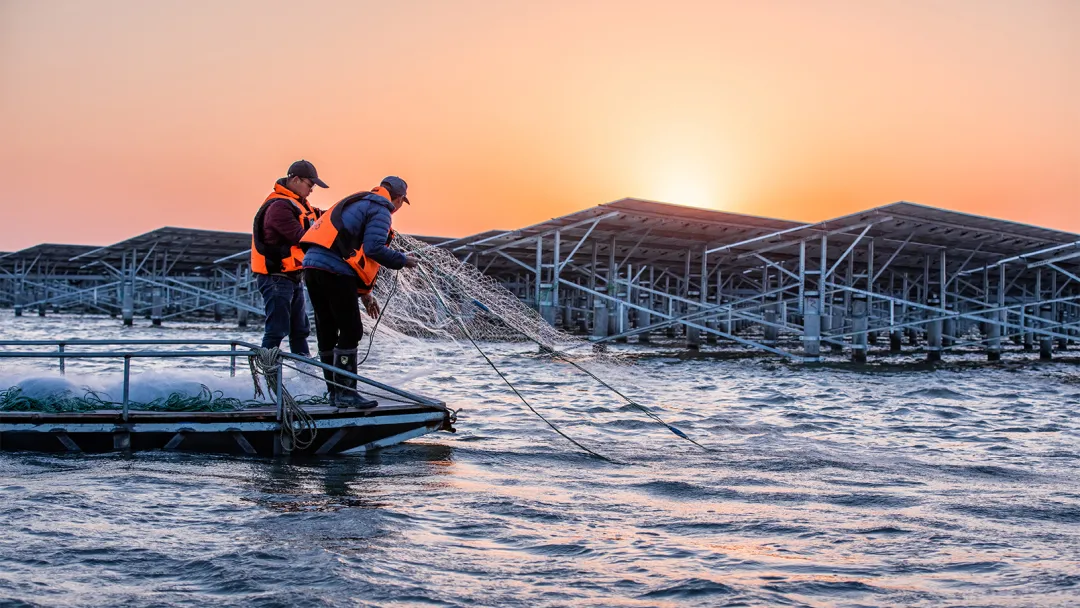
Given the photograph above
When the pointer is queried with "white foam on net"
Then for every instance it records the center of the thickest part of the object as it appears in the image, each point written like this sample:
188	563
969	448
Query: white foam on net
144	387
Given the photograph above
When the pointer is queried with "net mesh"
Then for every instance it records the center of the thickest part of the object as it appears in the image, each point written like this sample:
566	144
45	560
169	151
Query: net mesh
15	399
444	298
450	299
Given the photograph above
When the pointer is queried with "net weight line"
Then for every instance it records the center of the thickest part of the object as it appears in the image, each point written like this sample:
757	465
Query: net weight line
425	251
465	330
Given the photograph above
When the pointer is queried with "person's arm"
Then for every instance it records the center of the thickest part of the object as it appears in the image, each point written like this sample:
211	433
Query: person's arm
376	232
280	221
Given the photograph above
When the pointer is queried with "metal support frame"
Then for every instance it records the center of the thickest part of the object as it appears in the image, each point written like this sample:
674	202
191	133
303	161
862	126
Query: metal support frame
748	282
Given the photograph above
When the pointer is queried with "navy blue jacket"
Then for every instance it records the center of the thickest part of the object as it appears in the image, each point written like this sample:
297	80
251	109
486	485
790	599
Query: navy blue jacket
369	216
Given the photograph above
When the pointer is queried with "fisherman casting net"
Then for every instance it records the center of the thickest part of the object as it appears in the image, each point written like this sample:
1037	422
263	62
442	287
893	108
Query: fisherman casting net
447	299
432	316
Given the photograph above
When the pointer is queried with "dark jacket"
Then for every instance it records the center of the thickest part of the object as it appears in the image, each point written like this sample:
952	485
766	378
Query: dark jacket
279	224
277	229
369	216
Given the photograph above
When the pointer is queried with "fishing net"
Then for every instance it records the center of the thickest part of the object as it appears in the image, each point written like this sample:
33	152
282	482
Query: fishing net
15	399
445	298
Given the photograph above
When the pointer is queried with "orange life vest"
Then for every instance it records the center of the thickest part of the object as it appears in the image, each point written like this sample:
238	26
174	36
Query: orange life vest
329	231
274	259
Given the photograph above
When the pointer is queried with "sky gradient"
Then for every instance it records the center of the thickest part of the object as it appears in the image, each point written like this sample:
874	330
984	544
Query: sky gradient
123	116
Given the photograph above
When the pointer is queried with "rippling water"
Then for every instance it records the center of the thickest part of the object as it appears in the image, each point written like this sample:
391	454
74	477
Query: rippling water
822	486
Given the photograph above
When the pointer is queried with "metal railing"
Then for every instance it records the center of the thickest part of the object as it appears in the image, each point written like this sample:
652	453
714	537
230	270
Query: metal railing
237	348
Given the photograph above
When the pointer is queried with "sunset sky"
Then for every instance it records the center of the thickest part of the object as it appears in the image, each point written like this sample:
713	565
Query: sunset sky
123	116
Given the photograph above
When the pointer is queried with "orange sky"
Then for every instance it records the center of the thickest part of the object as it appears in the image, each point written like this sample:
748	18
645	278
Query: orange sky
122	116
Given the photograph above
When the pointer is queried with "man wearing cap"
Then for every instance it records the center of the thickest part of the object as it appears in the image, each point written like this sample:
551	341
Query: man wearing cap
344	250
277	260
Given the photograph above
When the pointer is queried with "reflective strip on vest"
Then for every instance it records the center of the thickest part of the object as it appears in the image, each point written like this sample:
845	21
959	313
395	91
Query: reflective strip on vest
274	259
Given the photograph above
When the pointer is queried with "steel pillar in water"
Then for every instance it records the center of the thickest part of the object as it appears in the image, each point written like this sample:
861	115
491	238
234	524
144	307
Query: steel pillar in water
155	307
127	309
948	330
711	323
837	323
600	320
1026	320
860	323
646	300
771	315
1046	342
933	348
693	338
993	339
812	324
895	341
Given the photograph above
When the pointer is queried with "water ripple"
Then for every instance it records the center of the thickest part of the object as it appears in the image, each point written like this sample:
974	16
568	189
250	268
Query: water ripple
821	486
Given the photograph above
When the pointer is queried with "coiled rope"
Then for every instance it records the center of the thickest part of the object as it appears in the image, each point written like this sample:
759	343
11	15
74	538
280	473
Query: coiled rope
296	423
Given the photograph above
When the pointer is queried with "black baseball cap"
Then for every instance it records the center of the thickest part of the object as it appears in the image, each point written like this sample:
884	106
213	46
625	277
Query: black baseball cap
303	168
395	186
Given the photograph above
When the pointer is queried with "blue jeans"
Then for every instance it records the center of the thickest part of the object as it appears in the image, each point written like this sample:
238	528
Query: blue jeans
286	315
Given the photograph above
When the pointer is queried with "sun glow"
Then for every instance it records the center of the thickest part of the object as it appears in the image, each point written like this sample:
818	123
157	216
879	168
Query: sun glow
682	163
809	112
687	182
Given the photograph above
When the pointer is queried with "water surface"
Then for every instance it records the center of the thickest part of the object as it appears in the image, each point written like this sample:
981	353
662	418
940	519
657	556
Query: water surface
821	486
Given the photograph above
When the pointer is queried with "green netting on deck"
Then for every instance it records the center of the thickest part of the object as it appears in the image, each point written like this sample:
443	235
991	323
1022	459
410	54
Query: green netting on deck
13	400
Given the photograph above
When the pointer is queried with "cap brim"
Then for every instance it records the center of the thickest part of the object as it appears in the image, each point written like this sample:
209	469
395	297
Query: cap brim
319	182
407	200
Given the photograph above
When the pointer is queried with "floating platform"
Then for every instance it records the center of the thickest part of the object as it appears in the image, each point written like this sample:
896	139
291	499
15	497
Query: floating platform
255	431
281	428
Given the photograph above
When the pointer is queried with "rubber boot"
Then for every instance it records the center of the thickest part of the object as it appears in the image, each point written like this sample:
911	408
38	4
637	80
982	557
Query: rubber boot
327	357
348	397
